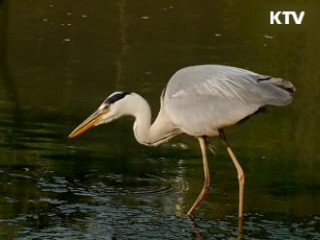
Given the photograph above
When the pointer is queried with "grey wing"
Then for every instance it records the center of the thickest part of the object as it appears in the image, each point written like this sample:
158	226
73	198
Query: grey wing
202	99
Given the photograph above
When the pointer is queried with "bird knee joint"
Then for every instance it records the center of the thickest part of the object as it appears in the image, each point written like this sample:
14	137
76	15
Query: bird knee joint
207	185
241	177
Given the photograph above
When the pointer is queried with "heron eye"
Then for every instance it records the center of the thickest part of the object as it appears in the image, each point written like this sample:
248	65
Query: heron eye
105	106
115	97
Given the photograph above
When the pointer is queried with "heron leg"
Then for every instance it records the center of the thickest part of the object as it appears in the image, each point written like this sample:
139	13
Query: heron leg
206	183
241	177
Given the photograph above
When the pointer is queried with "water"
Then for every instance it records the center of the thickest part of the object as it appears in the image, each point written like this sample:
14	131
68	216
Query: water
60	59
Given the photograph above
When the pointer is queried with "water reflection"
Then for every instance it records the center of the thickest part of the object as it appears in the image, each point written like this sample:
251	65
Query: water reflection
51	189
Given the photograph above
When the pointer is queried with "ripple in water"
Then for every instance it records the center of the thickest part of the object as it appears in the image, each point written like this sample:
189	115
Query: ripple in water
95	184
123	223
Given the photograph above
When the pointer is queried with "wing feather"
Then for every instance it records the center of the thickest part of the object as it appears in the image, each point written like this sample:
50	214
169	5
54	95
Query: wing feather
226	82
202	99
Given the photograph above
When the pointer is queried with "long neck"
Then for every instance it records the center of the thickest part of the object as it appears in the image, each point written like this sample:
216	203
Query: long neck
160	131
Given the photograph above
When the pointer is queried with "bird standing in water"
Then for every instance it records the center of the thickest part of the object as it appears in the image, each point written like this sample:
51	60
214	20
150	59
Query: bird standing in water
200	101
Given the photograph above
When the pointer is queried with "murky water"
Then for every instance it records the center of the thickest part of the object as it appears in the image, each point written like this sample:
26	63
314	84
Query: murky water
60	59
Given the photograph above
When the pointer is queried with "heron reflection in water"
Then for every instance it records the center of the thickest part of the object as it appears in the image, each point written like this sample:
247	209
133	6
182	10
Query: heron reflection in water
200	101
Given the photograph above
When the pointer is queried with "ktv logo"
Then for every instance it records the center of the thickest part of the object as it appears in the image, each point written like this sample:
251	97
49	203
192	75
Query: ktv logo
286	17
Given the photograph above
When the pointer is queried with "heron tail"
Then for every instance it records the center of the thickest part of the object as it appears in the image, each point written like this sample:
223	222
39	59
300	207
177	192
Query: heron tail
277	91
284	84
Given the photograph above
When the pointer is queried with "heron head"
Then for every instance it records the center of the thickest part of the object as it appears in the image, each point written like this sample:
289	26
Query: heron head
113	107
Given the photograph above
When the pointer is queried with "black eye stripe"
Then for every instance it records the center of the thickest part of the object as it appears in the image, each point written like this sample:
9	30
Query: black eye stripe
116	97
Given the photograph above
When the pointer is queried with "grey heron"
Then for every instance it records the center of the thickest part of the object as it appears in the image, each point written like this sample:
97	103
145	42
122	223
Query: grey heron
200	101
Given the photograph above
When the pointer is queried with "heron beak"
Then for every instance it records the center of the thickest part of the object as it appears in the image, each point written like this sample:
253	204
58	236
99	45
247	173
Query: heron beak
92	121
